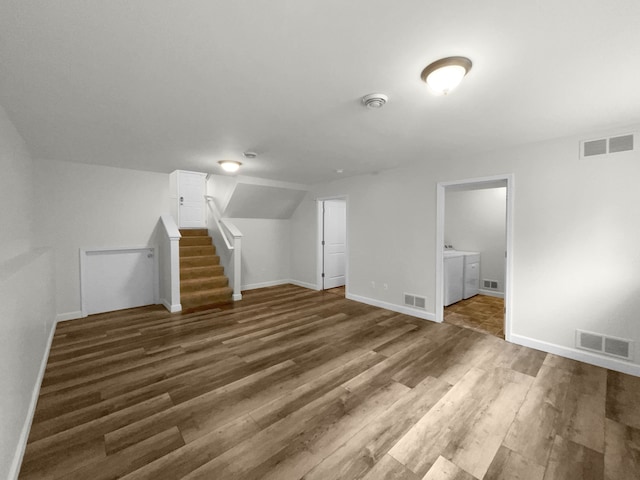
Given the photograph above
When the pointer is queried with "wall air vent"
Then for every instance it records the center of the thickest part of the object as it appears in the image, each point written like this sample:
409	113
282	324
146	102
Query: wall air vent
415	301
608	145
490	284
607	345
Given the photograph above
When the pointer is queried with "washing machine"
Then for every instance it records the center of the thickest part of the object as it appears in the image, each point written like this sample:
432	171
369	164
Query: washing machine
453	277
471	274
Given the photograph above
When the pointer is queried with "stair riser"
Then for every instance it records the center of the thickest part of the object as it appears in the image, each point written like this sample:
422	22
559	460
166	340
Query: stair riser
211	271
194	241
199	261
203	284
198	250
194	232
195	299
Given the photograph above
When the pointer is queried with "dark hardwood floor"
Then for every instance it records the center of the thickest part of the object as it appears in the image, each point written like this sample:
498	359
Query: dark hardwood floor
290	383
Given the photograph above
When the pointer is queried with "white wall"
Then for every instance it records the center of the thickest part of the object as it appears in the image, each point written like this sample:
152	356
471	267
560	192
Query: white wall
27	308
87	206
576	261
265	251
475	221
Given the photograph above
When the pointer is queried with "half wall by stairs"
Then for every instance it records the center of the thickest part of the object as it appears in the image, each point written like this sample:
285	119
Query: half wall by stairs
202	278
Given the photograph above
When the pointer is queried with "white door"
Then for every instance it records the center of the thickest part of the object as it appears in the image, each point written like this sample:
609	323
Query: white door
335	235
191	191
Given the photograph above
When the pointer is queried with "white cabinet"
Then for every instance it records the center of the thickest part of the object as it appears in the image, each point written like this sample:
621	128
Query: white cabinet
188	205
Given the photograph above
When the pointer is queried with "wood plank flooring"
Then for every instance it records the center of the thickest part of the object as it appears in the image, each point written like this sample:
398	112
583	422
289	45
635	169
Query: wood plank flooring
291	383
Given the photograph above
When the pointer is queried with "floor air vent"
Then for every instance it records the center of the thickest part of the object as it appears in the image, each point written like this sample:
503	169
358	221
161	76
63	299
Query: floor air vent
606	146
595	342
415	301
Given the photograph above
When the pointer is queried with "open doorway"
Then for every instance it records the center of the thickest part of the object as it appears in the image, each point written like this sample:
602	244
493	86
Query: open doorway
473	284
332	242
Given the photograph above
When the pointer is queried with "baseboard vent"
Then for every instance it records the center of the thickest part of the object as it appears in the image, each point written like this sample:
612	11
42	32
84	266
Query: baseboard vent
415	301
609	145
490	284
607	345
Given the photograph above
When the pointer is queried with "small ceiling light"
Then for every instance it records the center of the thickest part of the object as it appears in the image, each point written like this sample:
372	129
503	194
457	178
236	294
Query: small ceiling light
445	74
229	165
375	100
249	154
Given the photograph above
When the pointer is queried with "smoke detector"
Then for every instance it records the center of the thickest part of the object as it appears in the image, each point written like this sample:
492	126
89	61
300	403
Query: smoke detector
375	100
250	154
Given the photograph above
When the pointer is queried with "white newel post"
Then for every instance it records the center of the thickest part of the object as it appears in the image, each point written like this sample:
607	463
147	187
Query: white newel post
237	267
175	274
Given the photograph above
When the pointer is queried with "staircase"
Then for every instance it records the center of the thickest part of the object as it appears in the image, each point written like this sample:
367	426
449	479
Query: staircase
202	278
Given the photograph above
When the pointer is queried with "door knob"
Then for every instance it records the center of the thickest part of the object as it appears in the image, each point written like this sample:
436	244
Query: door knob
181	200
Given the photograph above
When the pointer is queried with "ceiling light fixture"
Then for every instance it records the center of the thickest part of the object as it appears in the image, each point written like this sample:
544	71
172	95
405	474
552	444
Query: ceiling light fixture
445	74
229	165
249	154
375	100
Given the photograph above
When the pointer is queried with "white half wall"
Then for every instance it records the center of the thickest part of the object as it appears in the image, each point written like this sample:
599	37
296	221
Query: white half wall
576	263
475	221
90	206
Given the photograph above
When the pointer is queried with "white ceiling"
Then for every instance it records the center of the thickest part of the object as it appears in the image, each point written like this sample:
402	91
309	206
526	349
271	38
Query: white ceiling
166	84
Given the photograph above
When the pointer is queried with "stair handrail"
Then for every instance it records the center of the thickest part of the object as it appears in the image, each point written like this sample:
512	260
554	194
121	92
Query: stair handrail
234	245
219	222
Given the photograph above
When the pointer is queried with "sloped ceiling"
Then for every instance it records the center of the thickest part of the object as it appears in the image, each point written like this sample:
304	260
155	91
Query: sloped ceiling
162	85
261	201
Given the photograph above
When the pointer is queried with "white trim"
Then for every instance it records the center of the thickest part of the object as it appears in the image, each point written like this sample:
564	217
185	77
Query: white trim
271	283
236	297
172	308
414	312
579	355
319	235
491	293
63	317
310	286
440	214
14	470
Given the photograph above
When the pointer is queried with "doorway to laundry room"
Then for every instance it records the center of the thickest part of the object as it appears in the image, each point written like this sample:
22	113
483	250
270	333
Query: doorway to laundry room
474	236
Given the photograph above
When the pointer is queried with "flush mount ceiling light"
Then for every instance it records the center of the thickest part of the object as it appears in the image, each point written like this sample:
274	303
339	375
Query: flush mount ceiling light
229	165
445	74
375	100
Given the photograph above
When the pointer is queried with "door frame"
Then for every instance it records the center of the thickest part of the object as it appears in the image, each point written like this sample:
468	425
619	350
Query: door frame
320	235
440	220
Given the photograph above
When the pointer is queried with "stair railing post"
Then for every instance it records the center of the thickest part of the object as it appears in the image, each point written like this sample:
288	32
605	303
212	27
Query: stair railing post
237	268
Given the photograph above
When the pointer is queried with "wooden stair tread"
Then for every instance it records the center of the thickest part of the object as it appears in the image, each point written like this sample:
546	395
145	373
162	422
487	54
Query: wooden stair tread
197	250
194	232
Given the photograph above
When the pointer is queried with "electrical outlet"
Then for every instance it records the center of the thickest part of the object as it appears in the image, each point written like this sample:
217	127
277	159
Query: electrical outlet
385	286
373	284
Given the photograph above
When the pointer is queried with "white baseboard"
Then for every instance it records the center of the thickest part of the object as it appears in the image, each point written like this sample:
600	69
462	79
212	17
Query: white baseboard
580	355
491	293
172	308
311	286
272	283
24	435
414	312
63	317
